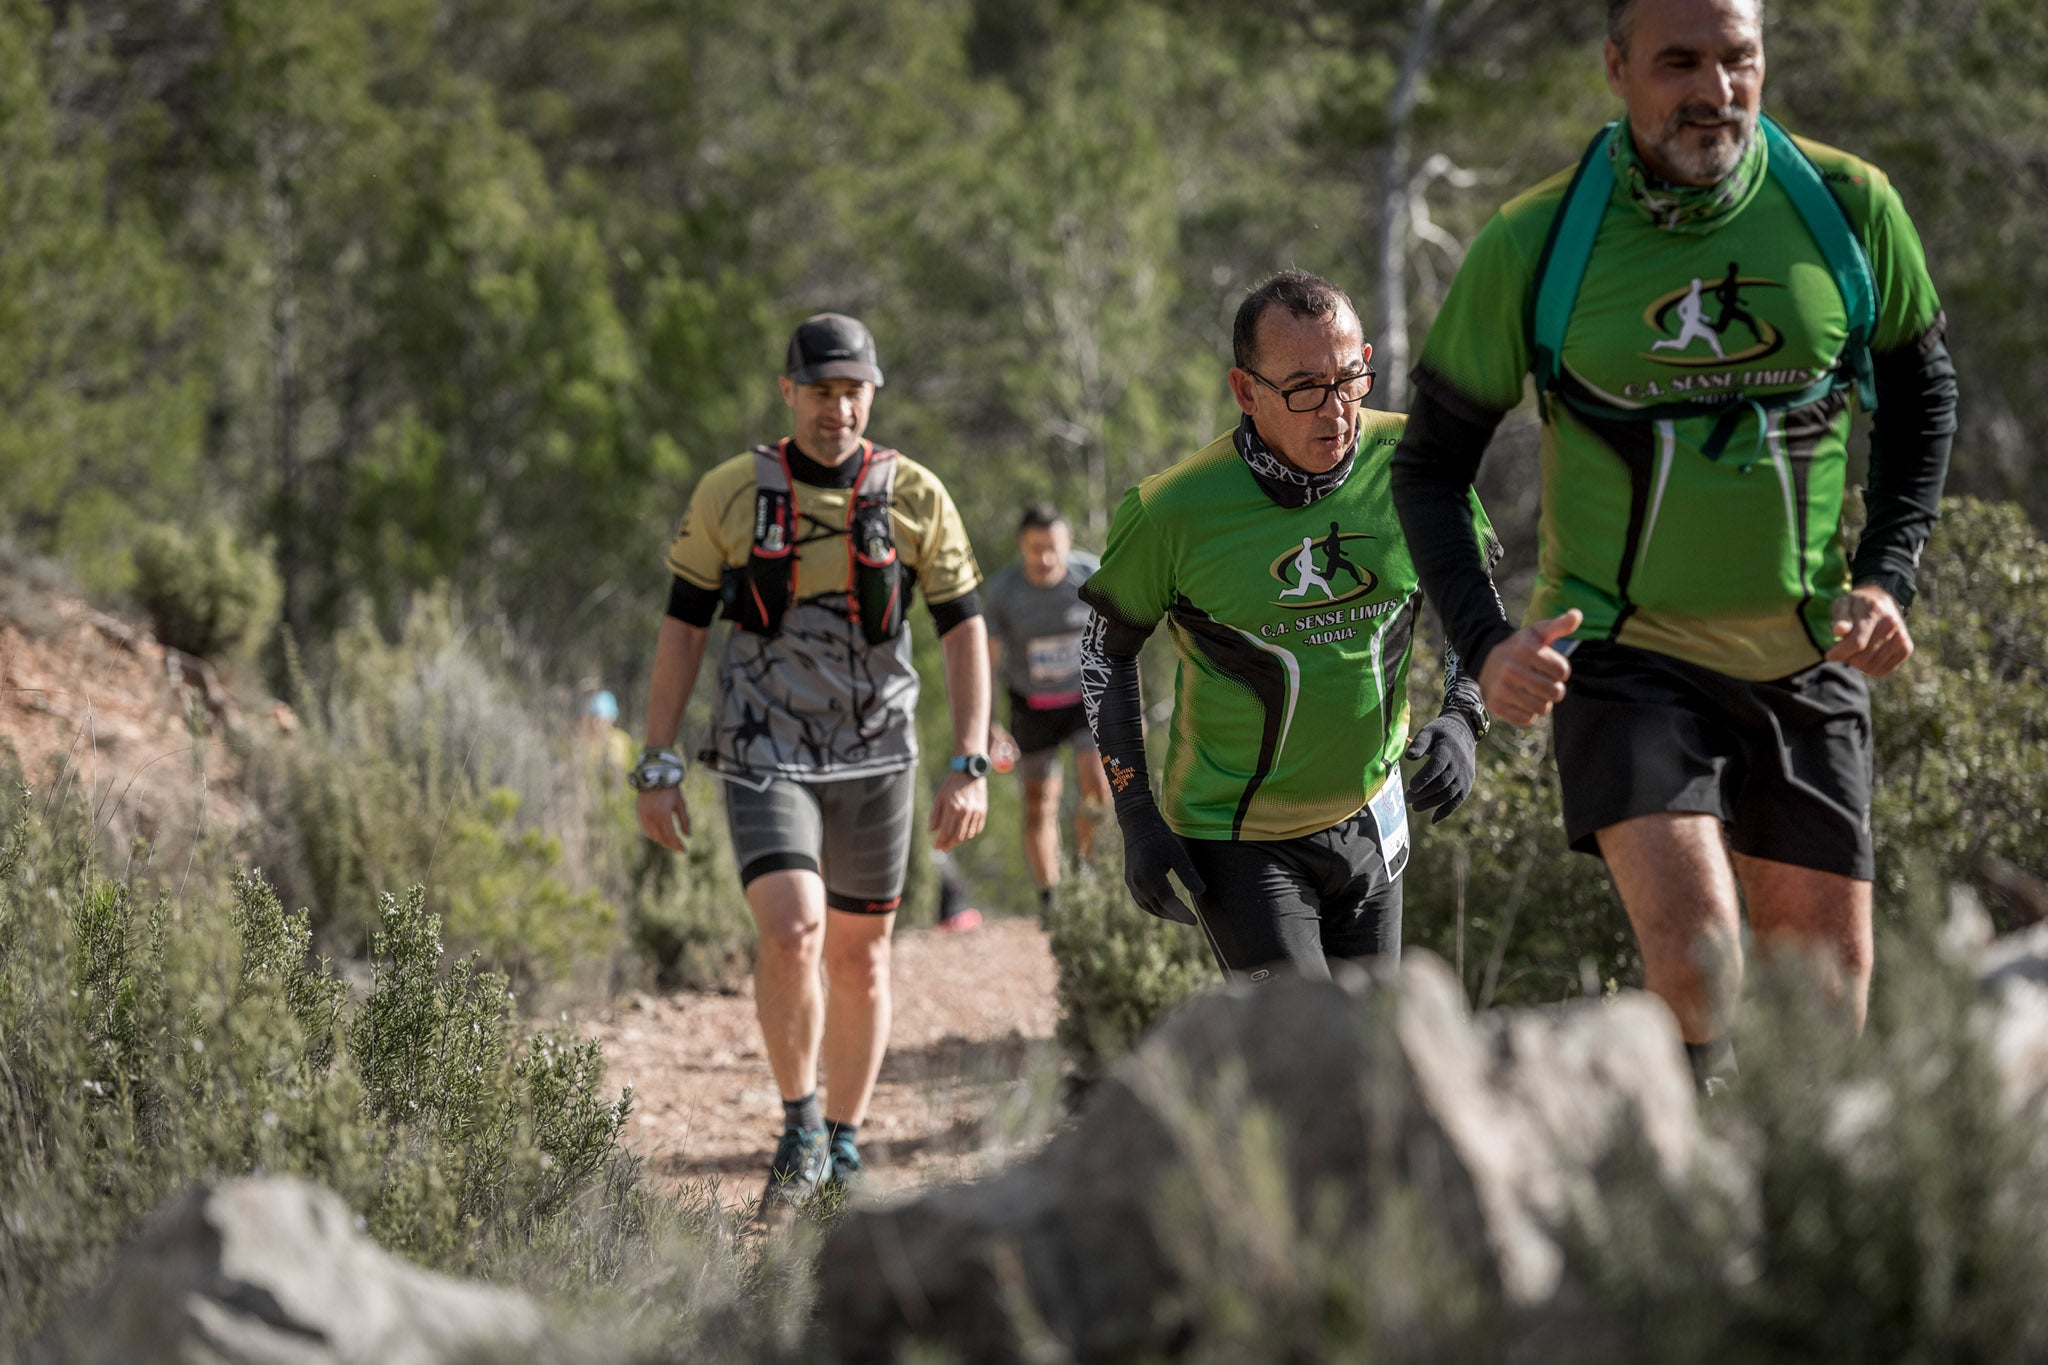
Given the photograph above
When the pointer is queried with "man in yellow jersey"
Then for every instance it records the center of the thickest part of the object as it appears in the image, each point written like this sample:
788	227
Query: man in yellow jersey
811	546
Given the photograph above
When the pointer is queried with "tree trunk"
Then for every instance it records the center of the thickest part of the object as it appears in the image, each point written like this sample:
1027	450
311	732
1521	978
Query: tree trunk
1390	351
280	217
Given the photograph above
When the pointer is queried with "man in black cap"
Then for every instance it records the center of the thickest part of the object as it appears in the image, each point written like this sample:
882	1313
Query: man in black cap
810	546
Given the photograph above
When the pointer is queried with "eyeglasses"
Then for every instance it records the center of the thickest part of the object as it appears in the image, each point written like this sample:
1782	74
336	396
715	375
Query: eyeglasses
1352	388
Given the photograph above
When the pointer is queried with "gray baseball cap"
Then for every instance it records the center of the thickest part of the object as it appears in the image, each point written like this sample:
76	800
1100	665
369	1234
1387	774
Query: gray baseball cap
832	346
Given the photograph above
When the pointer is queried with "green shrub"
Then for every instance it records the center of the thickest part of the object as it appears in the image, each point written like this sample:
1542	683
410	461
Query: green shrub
1899	1201
1120	969
206	592
690	924
1495	891
1962	729
499	889
145	1047
418	762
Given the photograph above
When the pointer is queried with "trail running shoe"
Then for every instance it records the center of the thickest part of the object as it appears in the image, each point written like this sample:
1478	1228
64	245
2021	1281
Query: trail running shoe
961	921
848	1170
803	1162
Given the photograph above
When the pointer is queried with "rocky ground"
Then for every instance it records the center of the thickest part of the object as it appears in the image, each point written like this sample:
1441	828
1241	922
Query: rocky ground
973	1032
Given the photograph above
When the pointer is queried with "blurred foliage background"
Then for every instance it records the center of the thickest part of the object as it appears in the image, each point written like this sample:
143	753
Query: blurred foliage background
310	315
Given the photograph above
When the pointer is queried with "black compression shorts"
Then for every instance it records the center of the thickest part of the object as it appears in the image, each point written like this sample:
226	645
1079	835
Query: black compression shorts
1297	904
1038	730
1784	764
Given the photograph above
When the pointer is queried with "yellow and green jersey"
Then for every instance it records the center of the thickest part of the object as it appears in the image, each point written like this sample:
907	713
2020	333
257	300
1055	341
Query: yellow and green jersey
816	699
1292	627
1728	560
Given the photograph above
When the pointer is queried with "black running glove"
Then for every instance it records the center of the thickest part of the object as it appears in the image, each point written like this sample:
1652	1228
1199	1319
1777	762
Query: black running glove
1448	749
1151	850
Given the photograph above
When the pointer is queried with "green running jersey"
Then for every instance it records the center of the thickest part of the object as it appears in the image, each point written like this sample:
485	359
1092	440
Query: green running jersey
1292	628
1730	563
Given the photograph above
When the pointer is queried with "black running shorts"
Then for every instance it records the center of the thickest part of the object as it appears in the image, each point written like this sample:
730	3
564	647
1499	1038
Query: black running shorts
1039	735
1784	764
855	833
1297	904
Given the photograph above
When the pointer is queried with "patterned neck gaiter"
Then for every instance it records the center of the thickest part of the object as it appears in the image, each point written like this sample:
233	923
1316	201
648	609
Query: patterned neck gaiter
1685	208
1284	483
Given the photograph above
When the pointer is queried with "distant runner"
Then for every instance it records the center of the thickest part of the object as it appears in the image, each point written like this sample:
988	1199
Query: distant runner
1713	723
811	547
1280	806
1035	621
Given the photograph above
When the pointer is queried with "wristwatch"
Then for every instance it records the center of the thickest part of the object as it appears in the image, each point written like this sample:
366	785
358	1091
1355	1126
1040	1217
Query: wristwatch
974	765
656	769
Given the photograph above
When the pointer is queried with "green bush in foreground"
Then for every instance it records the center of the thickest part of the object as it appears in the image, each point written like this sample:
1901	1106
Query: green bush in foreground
1120	969
1899	1199
144	1047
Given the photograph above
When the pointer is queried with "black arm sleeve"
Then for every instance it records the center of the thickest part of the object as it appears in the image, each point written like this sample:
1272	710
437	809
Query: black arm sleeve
946	615
1116	707
692	605
1909	446
1461	693
1432	482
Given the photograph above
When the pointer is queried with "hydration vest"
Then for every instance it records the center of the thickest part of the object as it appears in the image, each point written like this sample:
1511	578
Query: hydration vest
1562	267
760	593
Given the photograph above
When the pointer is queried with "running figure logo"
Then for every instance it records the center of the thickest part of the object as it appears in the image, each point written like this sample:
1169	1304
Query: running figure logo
1319	564
1305	575
1692	325
1687	309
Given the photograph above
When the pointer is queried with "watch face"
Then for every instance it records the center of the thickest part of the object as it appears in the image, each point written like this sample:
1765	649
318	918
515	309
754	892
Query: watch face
974	765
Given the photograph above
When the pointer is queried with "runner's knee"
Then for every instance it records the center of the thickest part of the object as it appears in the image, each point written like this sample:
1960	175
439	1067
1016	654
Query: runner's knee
856	961
1041	799
793	939
789	912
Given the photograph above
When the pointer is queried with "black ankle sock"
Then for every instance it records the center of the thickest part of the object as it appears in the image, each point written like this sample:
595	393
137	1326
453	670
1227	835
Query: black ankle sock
1046	896
1711	1060
834	1130
803	1113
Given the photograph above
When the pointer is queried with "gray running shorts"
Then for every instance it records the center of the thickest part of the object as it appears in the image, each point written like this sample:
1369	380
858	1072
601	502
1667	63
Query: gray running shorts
855	833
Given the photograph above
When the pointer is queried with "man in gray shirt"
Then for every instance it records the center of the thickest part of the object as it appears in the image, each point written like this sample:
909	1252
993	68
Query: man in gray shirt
1035	619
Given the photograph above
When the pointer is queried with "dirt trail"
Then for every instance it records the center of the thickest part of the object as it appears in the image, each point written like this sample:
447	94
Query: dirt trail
974	1016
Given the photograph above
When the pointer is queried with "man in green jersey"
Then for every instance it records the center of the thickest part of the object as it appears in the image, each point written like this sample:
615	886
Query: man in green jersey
1274	557
1712	722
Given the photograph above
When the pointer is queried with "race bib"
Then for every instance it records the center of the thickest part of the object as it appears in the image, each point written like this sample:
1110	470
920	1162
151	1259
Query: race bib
1053	658
1390	813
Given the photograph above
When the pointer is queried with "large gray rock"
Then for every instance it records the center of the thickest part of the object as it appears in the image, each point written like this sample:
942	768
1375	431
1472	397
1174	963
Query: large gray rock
2012	975
1363	1098
274	1272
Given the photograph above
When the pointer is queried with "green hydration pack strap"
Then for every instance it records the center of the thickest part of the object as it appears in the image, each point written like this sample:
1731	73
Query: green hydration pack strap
1562	268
